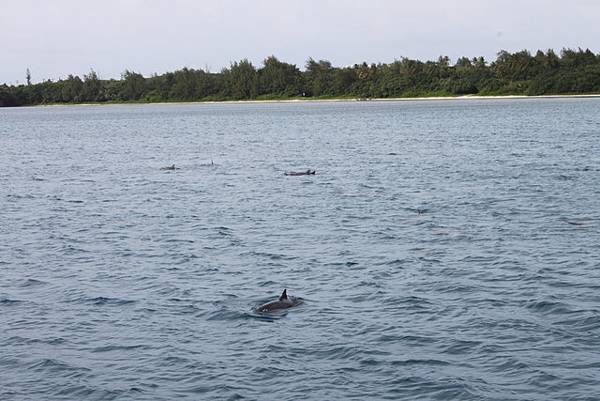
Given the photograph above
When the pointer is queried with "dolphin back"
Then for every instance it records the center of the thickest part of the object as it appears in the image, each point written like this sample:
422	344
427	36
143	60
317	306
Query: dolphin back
275	305
283	302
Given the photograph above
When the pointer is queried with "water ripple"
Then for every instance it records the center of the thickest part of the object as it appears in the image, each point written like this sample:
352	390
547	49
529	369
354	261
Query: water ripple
445	250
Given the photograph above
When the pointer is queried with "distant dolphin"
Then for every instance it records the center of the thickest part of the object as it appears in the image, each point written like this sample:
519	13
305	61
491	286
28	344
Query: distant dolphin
282	303
307	172
171	167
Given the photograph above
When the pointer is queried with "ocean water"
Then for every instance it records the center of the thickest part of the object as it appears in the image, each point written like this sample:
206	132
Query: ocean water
444	250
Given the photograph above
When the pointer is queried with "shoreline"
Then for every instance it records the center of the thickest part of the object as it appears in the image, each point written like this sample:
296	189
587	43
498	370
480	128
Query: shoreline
332	100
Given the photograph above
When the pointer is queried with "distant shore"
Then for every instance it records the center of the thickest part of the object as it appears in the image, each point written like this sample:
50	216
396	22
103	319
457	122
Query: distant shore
520	74
326	100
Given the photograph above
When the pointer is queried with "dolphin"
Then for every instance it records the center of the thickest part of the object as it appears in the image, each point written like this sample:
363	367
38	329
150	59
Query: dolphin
171	167
307	172
282	303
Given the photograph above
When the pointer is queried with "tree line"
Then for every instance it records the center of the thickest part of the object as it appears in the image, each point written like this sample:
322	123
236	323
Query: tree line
519	73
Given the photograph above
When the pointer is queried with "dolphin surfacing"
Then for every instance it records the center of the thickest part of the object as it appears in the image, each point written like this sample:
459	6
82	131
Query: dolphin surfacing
283	302
307	172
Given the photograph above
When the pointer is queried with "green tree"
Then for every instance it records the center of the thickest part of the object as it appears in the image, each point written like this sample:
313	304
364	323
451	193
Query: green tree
133	85
241	80
319	76
7	98
517	66
92	87
183	85
278	78
71	89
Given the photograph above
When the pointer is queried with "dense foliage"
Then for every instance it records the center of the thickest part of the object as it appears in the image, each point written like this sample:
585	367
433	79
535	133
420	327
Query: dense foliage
520	73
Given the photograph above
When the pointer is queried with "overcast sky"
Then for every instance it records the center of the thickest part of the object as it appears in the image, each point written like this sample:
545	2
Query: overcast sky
59	37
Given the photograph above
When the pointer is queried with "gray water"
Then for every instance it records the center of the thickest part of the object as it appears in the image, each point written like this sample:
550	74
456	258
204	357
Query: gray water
444	250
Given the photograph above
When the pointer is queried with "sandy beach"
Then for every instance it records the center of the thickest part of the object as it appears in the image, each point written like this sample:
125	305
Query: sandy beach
334	100
405	99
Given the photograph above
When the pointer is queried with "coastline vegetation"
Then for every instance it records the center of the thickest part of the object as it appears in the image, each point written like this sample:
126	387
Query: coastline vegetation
519	73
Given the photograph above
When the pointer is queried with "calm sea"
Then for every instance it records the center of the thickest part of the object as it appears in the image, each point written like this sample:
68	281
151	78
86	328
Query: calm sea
444	250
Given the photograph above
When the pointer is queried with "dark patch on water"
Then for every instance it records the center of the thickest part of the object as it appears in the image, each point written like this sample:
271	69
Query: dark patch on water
105	301
9	302
110	348
54	366
31	282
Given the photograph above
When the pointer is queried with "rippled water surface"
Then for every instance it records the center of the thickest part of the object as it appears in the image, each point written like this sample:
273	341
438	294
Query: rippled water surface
444	250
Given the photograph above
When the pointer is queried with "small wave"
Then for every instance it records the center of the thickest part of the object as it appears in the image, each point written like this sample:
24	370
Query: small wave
456	288
146	310
478	259
226	314
179	240
347	264
394	262
268	255
585	324
412	361
548	307
8	301
17	196
108	348
371	362
54	365
461	347
172	360
269	370
340	352
18	340
452	391
365	283
417	210
31	282
410	302
81	392
265	317
565	177
218	388
107	301
187	309
511	365
409	339
267	283
578	222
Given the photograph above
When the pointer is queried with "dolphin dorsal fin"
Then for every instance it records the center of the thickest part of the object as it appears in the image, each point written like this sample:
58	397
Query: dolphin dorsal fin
283	295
